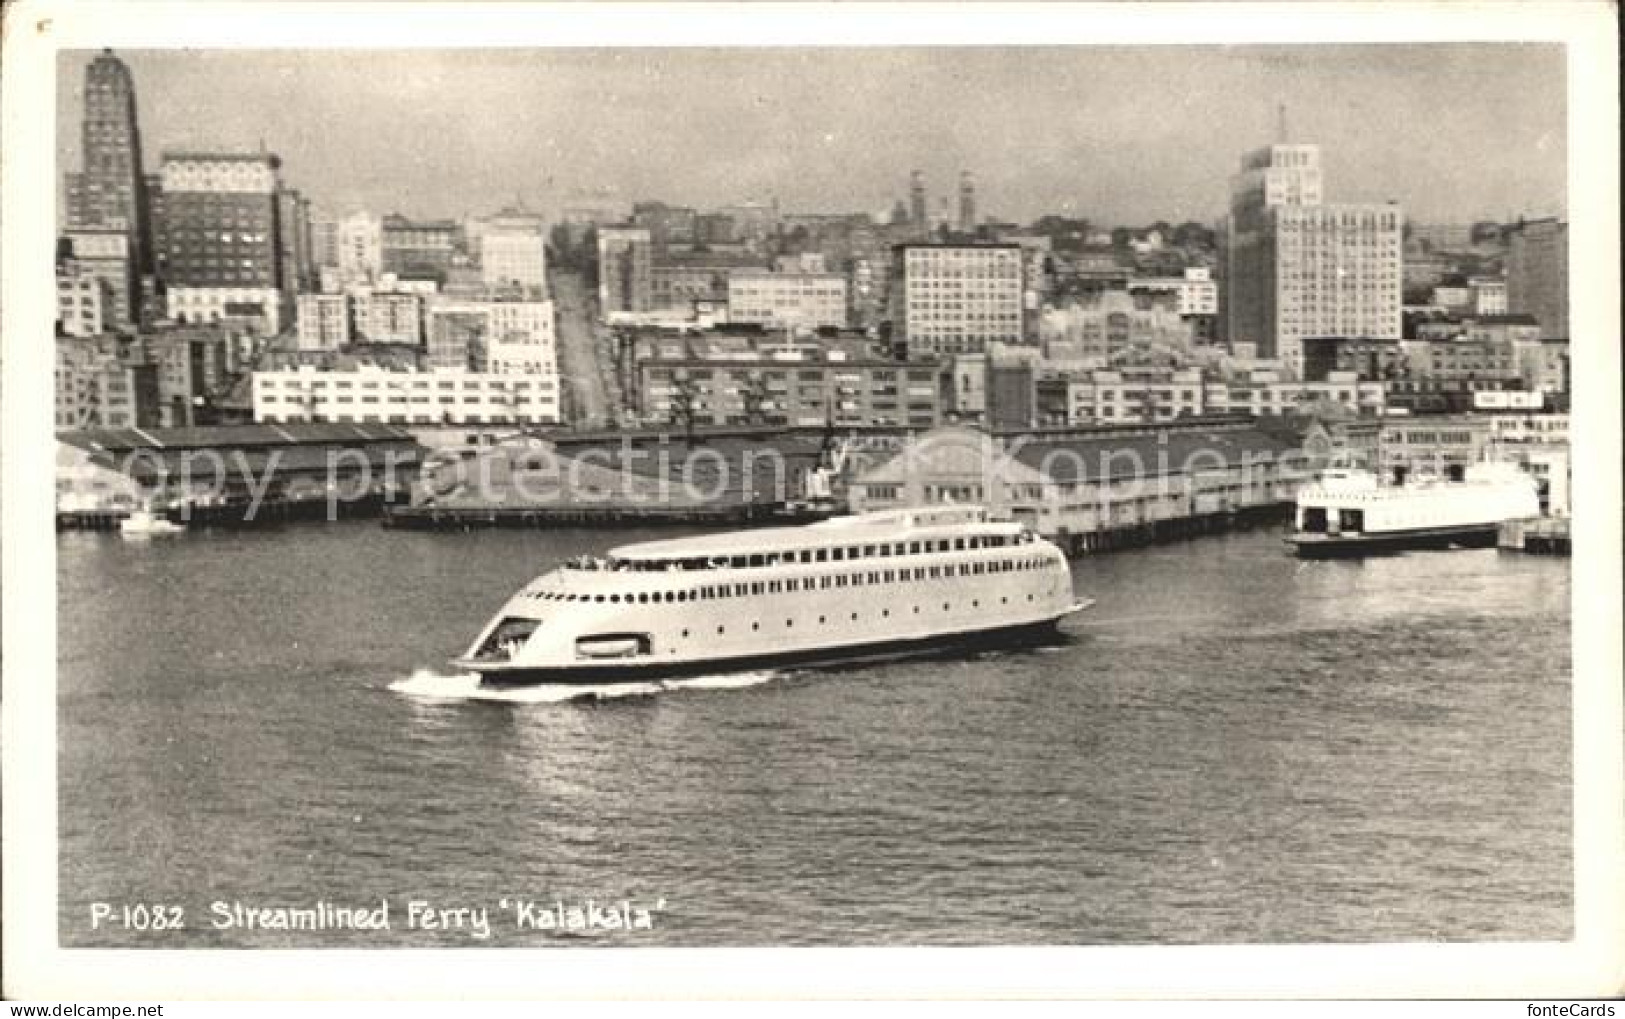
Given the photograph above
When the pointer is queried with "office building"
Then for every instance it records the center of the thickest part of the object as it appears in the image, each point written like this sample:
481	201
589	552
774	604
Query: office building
784	300
418	249
625	260
513	256
1297	268
324	321
108	255
737	380
221	251
82	299
371	394
108	192
1537	271
98	385
957	299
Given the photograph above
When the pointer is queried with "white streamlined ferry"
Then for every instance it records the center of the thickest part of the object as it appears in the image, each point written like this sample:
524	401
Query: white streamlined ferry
873	585
1349	513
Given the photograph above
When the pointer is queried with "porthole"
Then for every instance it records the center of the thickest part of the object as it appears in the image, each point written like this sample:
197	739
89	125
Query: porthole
789	623
756	626
945	606
722	629
615	598
820	620
685	633
885	613
916	610
854	617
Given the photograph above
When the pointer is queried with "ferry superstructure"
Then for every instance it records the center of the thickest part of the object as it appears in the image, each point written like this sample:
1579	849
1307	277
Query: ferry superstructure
1349	513
858	587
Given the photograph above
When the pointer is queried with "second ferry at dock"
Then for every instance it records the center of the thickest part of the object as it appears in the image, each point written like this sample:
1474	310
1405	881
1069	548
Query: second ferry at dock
1350	513
853	588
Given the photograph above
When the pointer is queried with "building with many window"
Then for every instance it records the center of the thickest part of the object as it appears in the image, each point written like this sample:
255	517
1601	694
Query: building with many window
1102	326
512	248
82	300
1296	268
324	321
109	190
418	249
957	299
625	260
98	385
110	257
376	395
497	336
1091	479
220	249
385	316
1537	270
737	381
810	300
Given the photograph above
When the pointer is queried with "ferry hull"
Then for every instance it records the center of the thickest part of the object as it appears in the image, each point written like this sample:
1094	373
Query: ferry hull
1350	546
1018	635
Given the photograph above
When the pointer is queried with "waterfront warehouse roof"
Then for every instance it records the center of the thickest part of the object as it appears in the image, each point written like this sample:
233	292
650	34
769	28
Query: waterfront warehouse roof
237	455
1085	456
1148	453
123	440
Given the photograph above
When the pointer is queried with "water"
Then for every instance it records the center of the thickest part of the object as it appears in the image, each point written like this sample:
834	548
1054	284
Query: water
1232	747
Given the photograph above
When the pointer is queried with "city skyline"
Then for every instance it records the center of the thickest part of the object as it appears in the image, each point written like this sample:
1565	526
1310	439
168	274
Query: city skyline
1118	135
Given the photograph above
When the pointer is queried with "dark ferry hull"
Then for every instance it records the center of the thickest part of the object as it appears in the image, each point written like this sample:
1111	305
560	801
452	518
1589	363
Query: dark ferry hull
1019	635
1348	546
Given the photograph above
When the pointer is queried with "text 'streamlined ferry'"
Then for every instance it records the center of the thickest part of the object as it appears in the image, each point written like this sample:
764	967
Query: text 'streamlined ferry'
867	586
1349	513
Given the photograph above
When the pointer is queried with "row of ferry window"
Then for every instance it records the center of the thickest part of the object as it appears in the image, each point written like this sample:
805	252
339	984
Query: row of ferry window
823	583
808	555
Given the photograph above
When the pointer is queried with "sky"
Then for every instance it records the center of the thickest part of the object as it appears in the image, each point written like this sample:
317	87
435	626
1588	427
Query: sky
1120	135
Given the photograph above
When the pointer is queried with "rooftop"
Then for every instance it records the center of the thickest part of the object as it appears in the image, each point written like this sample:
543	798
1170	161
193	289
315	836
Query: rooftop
123	440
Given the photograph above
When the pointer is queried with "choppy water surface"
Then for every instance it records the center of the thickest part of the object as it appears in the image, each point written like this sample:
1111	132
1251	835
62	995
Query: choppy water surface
1233	747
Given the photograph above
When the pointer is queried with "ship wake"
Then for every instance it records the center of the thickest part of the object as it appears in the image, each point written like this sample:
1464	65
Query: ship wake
465	686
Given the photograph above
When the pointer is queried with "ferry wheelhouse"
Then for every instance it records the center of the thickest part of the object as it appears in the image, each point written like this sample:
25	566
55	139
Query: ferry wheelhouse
1349	513
860	587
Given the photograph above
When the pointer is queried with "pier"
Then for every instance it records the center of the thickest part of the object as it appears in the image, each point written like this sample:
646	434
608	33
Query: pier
1541	536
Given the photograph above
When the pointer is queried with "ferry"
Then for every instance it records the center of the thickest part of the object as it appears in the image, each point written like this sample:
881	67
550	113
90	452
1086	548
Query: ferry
1349	513
863	587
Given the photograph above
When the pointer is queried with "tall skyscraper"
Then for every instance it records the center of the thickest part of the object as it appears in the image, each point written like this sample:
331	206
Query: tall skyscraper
108	190
967	202
222	251
1296	268
916	200
108	193
1538	275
